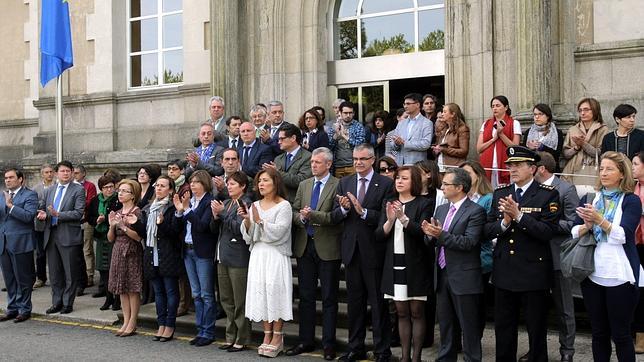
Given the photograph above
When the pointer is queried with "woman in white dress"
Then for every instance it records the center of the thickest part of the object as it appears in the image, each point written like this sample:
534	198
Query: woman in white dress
267	229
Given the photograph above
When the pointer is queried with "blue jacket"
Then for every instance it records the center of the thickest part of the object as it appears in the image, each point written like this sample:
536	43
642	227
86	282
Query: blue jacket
17	225
203	240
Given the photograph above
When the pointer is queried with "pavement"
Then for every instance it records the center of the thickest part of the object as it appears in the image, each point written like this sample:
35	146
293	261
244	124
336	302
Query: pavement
87	315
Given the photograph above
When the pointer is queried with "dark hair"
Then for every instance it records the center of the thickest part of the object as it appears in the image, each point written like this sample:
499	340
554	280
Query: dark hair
504	101
104	180
416	97
348	105
400	112
177	162
153	171
461	178
240	178
639	155
277	182
433	97
595	107
319	121
19	173
114	174
416	179
483	185
81	168
430	167
545	109
203	177
623	110
170	182
230	149
318	108
291	130
384	115
64	163
386	159
231	118
547	161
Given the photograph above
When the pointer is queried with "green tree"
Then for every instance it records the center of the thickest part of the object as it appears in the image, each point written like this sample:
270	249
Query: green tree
397	44
434	40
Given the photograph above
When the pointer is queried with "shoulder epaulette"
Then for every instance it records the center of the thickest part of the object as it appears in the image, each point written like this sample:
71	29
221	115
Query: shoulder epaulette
502	186
547	187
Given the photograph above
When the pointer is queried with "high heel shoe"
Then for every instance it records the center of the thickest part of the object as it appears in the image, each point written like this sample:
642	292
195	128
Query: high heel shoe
262	347
129	334
157	338
118	333
167	339
272	351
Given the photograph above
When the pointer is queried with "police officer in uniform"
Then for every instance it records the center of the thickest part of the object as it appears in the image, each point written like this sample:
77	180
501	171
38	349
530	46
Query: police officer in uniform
523	219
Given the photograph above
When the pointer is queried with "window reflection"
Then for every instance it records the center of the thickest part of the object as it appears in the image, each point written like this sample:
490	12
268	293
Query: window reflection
171	5
143	35
142	8
173	66
348	8
172	31
430	2
385	35
144	70
377	6
348	39
430	29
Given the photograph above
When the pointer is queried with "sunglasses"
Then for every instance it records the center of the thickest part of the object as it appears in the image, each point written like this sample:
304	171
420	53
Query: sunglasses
387	169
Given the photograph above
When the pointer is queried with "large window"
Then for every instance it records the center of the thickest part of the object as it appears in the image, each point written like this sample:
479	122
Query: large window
388	27
155	42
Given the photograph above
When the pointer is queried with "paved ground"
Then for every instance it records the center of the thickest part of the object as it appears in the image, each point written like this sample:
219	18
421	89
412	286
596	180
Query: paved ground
85	334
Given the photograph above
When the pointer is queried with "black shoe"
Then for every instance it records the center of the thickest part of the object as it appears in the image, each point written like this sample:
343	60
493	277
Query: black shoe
54	309
8	317
129	334
221	314
226	346
525	357
564	357
204	342
236	349
22	318
353	356
105	305
67	310
99	294
167	339
80	292
329	353
299	349
157	338
117	304
194	340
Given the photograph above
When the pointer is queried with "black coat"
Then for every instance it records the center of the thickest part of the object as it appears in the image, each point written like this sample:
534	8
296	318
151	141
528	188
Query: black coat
417	260
168	248
635	142
203	239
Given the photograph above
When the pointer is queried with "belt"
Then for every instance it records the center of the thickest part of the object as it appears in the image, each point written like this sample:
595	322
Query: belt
189	246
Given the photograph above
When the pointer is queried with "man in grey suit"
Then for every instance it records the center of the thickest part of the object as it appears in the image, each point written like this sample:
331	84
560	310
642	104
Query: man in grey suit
316	245
18	206
456	231
216	109
294	163
61	212
207	156
561	287
413	136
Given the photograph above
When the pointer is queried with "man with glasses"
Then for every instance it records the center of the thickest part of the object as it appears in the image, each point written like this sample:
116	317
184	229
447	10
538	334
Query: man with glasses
523	218
346	134
271	131
207	156
358	204
413	136
252	152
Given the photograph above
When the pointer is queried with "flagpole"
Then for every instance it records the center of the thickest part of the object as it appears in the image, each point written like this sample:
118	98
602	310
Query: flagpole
59	118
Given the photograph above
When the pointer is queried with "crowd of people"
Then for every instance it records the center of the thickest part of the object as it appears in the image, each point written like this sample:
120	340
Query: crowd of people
421	232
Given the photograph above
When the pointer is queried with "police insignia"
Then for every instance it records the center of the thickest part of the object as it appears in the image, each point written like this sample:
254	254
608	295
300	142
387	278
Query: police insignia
553	206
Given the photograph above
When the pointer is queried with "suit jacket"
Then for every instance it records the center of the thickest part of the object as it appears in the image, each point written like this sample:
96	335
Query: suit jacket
16	226
203	240
418	139
416	254
326	234
317	139
522	257
359	233
232	250
272	142
168	247
298	171
569	200
462	243
70	214
259	155
212	165
225	142
220	128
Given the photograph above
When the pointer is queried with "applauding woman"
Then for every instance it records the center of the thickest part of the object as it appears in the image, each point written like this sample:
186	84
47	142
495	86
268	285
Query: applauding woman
126	270
405	278
312	126
267	229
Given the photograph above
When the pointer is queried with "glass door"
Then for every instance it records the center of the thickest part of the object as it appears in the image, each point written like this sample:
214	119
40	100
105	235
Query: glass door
368	98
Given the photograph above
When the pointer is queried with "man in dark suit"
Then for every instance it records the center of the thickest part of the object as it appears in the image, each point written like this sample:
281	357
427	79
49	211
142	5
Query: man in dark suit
294	164
18	207
523	218
231	139
359	203
61	212
456	231
207	156
316	245
270	134
252	152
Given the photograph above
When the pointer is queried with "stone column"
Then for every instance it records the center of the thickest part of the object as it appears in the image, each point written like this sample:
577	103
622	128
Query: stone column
534	60
225	53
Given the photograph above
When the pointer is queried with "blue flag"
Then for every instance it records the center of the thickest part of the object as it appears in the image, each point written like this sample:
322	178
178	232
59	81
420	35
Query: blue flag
55	40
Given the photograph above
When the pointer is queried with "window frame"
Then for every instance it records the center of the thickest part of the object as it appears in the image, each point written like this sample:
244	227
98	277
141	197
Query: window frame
160	50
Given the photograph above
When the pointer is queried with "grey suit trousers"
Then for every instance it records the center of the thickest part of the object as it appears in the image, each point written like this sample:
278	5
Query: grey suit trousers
65	265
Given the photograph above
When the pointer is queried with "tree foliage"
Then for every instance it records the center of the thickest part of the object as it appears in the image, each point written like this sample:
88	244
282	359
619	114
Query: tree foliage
395	44
434	40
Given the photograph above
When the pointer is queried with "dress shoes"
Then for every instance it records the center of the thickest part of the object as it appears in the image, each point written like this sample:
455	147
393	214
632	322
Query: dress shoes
80	292
54	309
204	342
353	356
67	310
194	340
566	358
525	357
38	284
299	349
22	318
156	338
329	353
129	334
167	339
8	317
226	346
236	349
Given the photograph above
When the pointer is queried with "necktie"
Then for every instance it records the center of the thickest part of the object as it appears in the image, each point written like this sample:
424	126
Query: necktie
289	157
273	130
315	197
362	190
245	161
59	196
448	220
11	194
519	195
234	144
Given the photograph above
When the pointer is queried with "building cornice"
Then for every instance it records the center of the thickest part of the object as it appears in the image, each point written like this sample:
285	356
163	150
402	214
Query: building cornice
610	50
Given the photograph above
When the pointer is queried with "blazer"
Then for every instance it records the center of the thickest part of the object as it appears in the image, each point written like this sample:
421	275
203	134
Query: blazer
359	233
462	243
259	155
298	171
457	145
416	254
224	143
317	139
634	142
70	215
522	257
232	250
213	165
17	234
326	234
418	139
203	240
569	200
168	247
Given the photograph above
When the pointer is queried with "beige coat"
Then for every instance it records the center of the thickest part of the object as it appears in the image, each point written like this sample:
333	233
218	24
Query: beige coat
575	159
458	145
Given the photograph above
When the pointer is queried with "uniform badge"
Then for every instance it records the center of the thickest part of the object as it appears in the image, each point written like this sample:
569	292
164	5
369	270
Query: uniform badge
511	150
554	207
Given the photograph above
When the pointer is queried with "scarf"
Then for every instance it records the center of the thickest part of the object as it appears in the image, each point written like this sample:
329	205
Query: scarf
102	210
157	207
606	205
179	182
205	153
498	147
549	140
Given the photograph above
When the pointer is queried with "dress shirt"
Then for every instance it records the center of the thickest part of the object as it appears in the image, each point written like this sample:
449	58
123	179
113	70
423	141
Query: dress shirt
14	195
366	189
194	203
323	182
524	188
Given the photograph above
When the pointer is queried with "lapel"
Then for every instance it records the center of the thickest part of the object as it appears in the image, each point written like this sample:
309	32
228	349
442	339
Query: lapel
459	213
557	184
529	193
374	184
326	191
439	214
66	196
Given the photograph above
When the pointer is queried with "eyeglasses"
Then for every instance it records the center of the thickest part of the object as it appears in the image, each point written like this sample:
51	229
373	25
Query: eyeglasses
174	169
123	191
387	169
142	173
362	159
310	117
583	110
448	184
409	103
107	187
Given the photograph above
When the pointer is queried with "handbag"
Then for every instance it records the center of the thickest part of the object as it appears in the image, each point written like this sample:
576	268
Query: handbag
578	255
587	175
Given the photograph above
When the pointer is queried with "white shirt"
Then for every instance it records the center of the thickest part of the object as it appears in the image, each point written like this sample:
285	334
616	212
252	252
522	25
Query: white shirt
14	195
548	182
194	203
368	178
231	139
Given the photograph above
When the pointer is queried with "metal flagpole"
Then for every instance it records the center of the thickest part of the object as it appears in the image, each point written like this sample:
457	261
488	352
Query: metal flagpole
59	118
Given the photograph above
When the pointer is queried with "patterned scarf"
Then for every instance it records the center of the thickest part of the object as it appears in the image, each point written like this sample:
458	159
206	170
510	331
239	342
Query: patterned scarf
551	139
179	182
205	153
606	205
102	210
157	207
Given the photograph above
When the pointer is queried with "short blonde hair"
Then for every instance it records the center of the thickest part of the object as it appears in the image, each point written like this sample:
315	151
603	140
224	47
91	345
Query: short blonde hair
136	189
624	166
